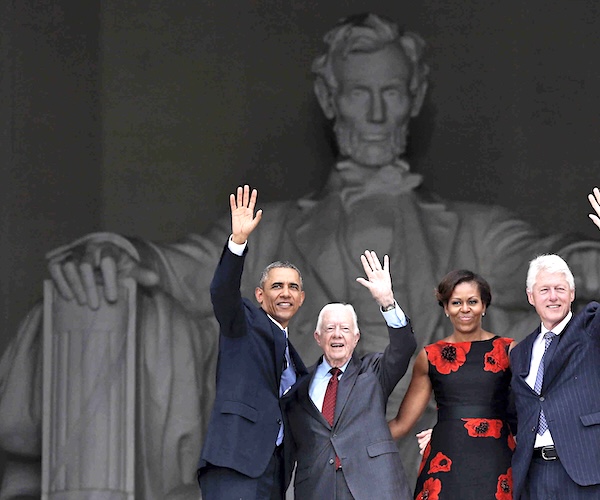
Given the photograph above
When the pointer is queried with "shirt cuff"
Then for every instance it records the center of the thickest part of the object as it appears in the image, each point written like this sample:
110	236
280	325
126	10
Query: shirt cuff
396	317
236	248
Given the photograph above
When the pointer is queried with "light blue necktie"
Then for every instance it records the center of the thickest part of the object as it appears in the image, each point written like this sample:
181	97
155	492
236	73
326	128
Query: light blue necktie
539	379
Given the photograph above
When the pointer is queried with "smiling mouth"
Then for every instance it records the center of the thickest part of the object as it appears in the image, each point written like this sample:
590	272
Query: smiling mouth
337	345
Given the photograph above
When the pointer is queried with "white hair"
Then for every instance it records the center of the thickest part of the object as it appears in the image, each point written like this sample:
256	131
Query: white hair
333	306
550	263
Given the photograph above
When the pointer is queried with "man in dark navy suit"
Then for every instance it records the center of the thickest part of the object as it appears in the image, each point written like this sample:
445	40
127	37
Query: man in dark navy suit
556	383
243	456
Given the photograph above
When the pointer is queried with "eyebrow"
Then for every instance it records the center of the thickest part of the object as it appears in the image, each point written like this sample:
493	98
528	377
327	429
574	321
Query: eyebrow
291	283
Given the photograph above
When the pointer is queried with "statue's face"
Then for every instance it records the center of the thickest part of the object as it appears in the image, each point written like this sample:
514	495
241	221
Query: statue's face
372	106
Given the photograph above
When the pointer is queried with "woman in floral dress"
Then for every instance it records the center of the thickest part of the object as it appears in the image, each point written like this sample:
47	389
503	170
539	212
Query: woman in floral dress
471	446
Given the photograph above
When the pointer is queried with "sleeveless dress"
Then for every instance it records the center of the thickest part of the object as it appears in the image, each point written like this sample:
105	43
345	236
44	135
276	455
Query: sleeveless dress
471	446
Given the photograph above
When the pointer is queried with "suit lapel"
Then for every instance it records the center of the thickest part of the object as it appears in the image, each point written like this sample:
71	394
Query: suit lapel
558	356
345	387
527	348
304	397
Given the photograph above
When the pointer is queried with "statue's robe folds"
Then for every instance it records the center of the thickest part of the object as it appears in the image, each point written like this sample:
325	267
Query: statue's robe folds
177	334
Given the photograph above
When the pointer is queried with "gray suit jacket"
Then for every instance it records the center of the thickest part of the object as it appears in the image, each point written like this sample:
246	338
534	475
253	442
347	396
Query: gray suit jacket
360	435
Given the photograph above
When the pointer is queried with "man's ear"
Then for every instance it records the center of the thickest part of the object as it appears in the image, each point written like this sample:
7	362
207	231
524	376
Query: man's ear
530	297
317	337
418	99
258	293
325	97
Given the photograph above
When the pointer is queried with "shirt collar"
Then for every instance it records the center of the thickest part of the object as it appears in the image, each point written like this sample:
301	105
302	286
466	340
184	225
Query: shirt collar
557	330
324	367
285	330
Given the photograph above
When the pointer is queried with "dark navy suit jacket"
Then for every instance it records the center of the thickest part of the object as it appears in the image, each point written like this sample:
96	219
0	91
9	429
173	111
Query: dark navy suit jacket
570	398
246	415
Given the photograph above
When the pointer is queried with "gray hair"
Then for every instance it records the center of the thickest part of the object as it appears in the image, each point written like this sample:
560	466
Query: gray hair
550	263
337	305
370	33
275	265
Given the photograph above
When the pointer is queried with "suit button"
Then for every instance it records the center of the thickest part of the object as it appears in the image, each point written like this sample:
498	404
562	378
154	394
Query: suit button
533	429
542	398
279	421
335	435
331	461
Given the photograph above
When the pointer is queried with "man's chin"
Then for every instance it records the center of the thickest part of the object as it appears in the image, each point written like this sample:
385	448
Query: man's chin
373	159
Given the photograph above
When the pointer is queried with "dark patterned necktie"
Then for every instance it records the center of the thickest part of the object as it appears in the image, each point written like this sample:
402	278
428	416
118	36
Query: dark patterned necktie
539	379
329	403
287	380
288	375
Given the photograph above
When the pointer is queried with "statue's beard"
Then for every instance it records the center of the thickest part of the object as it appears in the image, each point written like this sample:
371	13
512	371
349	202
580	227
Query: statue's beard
370	153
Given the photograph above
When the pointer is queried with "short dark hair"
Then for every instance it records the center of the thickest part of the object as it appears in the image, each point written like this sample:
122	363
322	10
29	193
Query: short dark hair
444	290
275	265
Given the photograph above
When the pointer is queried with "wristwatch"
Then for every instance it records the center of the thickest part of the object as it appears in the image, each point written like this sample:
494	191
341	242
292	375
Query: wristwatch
388	308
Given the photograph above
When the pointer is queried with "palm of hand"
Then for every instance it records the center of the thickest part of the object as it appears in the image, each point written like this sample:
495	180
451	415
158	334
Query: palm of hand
242	221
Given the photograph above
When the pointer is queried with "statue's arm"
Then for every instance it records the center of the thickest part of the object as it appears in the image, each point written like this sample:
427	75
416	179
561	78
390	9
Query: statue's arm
507	245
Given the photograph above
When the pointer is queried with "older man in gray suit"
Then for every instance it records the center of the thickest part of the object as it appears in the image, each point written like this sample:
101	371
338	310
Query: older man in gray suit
336	415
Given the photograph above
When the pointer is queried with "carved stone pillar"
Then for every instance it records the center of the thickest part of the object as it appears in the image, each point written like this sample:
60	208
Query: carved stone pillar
88	431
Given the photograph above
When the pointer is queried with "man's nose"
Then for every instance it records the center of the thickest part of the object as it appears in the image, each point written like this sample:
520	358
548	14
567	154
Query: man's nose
377	108
553	295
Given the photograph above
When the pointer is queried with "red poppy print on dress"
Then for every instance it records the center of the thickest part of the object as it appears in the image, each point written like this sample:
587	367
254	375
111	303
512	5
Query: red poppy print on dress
483	427
504	489
447	357
440	463
431	490
511	442
425	456
496	360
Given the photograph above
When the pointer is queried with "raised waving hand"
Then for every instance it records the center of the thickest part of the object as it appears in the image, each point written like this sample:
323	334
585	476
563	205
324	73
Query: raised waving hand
379	280
243	219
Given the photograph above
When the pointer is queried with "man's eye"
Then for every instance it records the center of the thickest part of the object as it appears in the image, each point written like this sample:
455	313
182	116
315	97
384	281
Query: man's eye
392	93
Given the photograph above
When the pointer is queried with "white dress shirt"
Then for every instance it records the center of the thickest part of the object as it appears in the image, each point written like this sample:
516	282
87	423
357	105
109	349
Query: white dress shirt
537	352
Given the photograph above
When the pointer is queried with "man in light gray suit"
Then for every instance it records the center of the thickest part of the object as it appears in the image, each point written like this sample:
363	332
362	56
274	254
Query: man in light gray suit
336	415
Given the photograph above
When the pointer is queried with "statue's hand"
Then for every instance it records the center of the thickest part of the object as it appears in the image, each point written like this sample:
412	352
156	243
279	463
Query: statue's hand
78	268
243	220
